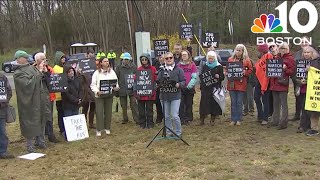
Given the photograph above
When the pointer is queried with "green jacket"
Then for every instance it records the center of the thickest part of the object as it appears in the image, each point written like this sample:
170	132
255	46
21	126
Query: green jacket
122	71
27	80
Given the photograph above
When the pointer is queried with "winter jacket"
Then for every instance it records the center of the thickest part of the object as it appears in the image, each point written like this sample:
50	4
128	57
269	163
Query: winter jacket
188	70
261	66
240	85
122	71
177	76
153	79
70	98
289	71
58	68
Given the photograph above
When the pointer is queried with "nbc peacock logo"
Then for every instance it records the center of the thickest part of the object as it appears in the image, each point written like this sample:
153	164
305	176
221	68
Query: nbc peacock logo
267	24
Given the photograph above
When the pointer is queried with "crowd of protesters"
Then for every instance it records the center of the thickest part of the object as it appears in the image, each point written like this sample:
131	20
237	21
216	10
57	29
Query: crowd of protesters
175	106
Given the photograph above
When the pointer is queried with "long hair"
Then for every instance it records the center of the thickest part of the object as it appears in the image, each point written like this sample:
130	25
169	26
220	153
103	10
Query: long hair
244	52
315	54
99	67
189	55
85	87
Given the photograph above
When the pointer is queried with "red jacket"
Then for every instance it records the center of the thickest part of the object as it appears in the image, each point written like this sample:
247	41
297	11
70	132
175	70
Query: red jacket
261	75
154	78
52	95
288	60
241	85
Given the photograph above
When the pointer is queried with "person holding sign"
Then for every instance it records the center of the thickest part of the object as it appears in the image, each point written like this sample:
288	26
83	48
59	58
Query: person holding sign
144	90
103	100
171	79
237	87
126	69
177	52
27	80
187	93
6	94
211	77
308	54
280	86
312	95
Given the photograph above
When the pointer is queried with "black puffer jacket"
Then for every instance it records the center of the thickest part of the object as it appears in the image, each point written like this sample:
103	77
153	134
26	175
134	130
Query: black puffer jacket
70	99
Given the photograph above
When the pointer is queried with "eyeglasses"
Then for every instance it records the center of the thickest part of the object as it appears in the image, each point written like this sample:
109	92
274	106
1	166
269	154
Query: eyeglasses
167	58
144	59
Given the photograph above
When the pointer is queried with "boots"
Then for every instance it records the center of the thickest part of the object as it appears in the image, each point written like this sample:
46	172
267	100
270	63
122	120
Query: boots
213	118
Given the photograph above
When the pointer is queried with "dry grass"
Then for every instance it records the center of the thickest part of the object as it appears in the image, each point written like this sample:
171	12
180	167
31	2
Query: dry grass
219	152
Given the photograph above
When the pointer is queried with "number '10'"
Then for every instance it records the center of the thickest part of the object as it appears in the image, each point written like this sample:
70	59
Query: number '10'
293	16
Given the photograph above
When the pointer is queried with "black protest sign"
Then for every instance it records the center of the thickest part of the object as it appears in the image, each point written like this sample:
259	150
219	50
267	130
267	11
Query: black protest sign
58	82
210	39
73	63
274	68
144	83
207	78
3	91
106	86
168	86
161	46
186	31
234	70
301	68
87	66
129	80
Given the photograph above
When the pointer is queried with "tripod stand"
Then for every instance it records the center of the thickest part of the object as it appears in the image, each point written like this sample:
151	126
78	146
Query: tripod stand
164	130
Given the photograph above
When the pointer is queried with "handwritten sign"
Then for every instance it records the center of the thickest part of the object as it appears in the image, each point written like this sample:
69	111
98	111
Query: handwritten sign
168	86
207	78
73	63
58	83
161	46
301	68
129	81
313	90
76	127
144	83
210	39
275	68
3	91
234	70
106	86
186	31
87	66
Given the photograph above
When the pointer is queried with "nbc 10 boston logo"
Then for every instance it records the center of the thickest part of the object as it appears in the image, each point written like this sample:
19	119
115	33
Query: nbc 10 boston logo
270	24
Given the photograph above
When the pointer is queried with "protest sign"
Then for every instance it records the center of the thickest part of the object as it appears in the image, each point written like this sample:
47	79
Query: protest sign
313	90
274	68
58	83
144	83
234	70
76	127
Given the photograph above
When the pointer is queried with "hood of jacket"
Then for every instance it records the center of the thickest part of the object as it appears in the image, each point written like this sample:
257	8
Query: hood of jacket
57	58
146	55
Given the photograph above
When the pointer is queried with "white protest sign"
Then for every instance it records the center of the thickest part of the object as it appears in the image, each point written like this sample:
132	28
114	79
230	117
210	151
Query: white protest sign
76	127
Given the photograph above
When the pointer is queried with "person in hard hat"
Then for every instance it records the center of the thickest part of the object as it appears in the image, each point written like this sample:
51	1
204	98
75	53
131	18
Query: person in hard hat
123	71
112	57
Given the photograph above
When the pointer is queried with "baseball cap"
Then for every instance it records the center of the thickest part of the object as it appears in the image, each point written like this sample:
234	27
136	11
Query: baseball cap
20	54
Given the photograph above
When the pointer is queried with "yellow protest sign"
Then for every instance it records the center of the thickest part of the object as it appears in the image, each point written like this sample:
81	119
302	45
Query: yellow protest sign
313	90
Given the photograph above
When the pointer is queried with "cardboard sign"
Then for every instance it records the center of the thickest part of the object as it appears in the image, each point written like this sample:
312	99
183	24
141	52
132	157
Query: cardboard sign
186	31
313	90
234	70
76	127
144	83
168	86
210	39
58	83
161	46
129	80
3	91
87	66
106	86
274	68
207	78
301	68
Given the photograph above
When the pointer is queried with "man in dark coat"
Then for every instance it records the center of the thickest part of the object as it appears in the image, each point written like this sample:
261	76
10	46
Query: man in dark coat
27	80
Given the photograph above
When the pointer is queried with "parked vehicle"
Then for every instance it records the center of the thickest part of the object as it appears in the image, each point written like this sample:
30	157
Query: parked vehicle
12	65
223	53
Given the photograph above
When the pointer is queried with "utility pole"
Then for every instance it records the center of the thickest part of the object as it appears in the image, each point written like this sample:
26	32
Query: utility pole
132	26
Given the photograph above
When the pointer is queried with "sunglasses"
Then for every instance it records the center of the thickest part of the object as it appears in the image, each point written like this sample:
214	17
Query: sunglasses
167	58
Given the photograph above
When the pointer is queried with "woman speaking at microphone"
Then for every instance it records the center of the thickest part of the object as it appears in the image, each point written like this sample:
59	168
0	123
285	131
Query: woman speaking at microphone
171	80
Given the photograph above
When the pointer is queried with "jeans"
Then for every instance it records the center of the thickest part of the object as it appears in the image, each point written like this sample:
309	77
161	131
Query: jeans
171	113
236	105
262	106
60	115
248	105
3	136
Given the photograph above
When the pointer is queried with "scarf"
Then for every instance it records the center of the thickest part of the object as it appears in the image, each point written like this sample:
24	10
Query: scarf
170	67
213	64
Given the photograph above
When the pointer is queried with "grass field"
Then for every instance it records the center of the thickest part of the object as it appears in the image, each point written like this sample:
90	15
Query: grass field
249	151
